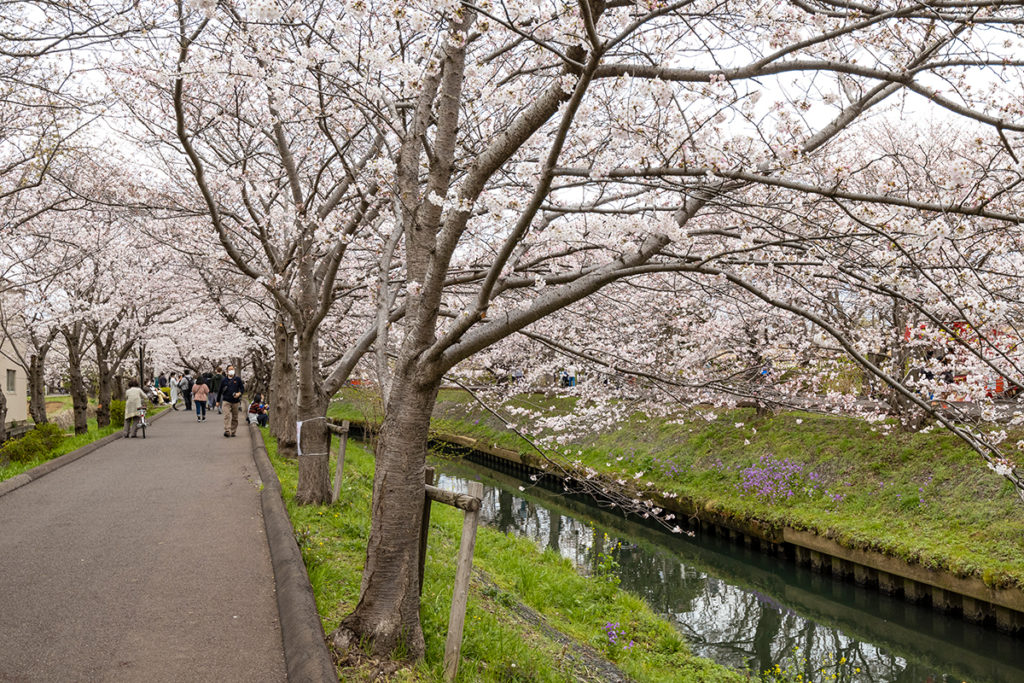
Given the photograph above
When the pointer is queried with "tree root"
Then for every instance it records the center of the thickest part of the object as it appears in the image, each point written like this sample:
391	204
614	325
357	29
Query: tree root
585	663
347	653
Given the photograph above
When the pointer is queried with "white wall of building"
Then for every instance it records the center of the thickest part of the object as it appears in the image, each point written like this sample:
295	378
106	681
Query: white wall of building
16	395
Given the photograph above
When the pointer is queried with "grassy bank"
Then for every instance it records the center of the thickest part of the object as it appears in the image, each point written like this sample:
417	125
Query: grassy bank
924	498
530	617
70	443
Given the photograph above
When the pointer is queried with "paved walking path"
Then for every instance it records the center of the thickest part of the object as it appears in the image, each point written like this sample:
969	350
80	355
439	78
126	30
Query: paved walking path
146	560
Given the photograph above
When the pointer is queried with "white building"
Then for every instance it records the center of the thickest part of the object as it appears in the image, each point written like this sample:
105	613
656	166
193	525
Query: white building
14	384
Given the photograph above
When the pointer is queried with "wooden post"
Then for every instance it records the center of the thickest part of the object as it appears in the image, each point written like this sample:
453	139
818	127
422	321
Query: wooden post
428	477
343	438
460	596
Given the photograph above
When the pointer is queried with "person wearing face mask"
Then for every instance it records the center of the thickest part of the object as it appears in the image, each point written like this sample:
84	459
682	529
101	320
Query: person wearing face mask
230	397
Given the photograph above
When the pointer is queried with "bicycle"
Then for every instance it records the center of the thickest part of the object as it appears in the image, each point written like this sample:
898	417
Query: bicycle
142	422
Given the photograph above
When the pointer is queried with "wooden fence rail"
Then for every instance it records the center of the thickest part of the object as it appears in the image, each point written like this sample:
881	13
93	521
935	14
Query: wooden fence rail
470	503
342	432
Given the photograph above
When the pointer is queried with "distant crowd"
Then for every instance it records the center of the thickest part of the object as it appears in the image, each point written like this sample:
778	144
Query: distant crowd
219	389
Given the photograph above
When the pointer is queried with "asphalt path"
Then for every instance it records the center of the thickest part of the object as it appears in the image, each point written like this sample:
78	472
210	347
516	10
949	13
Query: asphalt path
146	560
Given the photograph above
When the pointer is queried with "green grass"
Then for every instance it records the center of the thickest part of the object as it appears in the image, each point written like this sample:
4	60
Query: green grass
923	498
66	403
500	643
71	442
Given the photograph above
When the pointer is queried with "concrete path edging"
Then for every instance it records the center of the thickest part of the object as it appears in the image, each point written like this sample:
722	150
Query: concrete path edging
305	646
68	458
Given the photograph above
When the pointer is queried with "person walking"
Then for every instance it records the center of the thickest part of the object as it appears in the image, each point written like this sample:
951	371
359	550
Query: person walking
185	389
134	403
175	379
215	380
200	393
229	397
208	381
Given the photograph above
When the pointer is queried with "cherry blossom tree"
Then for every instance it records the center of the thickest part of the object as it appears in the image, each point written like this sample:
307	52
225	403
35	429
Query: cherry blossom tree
288	175
23	319
550	151
46	100
131	296
95	287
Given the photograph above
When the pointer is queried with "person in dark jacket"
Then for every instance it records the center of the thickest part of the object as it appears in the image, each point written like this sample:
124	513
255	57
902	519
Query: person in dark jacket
185	389
214	384
230	396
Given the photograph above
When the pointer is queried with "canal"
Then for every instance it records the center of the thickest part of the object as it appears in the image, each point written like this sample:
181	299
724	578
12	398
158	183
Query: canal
745	609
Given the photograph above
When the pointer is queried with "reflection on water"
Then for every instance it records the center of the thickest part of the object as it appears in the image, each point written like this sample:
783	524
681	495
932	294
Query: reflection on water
747	610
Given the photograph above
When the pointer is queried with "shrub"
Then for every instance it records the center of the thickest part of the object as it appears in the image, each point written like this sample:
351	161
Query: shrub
50	434
34	445
117	413
22	450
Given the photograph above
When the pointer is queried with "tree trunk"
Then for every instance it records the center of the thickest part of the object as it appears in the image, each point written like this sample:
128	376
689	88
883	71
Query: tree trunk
911	417
314	487
37	388
898	403
283	382
106	391
388	613
79	395
261	373
75	337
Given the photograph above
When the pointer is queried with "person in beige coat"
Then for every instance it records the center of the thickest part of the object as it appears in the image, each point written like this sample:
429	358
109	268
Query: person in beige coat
134	401
200	394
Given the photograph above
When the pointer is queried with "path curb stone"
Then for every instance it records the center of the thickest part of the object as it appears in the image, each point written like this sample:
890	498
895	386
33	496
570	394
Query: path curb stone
49	466
305	646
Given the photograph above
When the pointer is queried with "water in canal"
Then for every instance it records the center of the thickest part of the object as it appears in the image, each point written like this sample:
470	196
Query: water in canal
747	610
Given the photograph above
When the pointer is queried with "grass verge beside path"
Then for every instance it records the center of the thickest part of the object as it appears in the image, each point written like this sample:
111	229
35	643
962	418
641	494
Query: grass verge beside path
530	617
923	498
70	443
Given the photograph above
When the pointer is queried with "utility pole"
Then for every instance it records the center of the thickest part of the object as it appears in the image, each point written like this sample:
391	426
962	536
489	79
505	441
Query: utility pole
142	364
